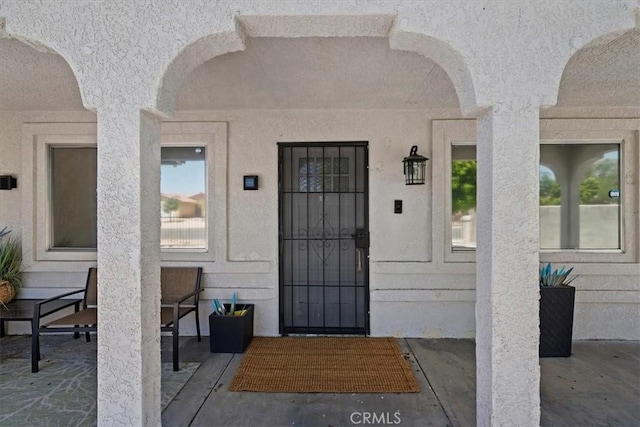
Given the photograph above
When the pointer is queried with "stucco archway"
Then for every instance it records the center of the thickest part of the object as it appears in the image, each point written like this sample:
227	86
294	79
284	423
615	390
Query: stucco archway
37	77
218	44
603	72
34	78
224	47
236	41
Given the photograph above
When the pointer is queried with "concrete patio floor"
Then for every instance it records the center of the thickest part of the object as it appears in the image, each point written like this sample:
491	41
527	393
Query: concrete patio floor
598	386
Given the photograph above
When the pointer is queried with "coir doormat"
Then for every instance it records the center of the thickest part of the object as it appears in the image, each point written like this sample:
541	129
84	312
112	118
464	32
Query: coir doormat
324	365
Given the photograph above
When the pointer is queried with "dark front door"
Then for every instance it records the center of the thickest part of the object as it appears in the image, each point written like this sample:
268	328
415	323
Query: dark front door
324	238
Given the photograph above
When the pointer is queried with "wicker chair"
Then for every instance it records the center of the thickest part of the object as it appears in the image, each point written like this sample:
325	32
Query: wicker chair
180	296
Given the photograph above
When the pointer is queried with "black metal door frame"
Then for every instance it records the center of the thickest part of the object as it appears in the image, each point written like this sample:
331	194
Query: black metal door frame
357	237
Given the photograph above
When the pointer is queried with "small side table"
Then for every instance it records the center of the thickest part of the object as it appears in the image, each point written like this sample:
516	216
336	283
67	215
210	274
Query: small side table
21	310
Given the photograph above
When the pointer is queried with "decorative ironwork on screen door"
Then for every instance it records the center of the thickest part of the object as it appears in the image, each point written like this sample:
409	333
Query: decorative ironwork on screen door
324	238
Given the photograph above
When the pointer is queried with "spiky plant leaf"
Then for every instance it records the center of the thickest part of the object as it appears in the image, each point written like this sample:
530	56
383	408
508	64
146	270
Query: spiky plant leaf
557	277
11	261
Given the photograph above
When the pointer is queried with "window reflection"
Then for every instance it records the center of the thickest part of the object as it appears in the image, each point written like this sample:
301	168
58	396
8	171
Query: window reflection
578	209
183	198
463	197
323	174
579	196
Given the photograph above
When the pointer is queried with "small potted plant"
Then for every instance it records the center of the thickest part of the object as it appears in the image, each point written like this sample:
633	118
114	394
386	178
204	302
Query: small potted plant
557	300
10	266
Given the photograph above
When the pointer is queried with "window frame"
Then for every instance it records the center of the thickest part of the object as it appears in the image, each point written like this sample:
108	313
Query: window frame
63	136
620	131
49	194
461	255
621	223
39	137
180	139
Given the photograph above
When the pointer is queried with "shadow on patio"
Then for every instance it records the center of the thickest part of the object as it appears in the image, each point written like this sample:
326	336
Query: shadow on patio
598	385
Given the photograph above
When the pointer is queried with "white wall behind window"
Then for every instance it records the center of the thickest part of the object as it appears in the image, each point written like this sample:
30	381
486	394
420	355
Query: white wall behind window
253	138
11	156
425	298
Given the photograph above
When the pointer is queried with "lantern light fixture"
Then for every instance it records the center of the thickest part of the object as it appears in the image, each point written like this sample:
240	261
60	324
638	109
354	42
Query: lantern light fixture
414	167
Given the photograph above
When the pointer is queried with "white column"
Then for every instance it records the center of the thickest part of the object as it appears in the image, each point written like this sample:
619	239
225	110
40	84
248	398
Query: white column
128	267
507	322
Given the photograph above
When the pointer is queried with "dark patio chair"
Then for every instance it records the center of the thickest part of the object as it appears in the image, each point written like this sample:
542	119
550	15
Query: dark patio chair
180	296
85	320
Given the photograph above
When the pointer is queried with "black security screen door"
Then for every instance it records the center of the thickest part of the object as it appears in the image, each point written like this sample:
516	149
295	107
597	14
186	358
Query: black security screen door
324	238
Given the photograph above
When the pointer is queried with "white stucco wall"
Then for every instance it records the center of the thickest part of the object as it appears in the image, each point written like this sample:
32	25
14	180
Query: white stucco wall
11	155
410	279
505	60
10	152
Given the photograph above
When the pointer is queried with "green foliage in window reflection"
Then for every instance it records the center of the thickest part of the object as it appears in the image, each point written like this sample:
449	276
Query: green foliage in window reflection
549	190
602	177
589	190
463	185
170	205
594	190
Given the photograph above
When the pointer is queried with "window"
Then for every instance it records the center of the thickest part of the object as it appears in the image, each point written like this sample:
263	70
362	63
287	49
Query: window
588	189
59	198
580	195
73	209
193	159
183	197
463	197
323	174
73	201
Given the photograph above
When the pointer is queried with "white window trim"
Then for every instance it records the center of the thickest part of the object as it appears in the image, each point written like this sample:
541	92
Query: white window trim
622	131
213	136
38	137
446	132
43	191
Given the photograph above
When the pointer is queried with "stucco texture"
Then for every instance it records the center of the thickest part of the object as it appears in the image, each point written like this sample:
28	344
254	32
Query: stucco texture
131	58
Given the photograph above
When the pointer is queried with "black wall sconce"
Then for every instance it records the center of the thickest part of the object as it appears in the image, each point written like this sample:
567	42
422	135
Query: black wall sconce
8	182
414	167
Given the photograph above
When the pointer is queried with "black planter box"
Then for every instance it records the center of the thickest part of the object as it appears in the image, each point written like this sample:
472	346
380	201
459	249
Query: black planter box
556	320
231	334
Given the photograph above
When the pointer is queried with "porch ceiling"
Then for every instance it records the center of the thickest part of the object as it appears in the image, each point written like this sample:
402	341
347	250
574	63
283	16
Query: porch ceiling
33	80
356	72
604	75
318	73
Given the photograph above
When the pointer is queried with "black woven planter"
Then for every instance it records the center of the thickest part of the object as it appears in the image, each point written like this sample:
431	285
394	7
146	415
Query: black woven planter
556	320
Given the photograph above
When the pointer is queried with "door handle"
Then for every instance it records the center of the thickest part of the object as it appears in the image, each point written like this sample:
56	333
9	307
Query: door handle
362	238
358	260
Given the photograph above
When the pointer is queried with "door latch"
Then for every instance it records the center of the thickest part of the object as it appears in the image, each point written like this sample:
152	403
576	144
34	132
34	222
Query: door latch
362	238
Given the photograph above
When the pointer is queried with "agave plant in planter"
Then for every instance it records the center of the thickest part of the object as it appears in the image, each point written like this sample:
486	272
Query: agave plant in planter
10	266
557	300
550	278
